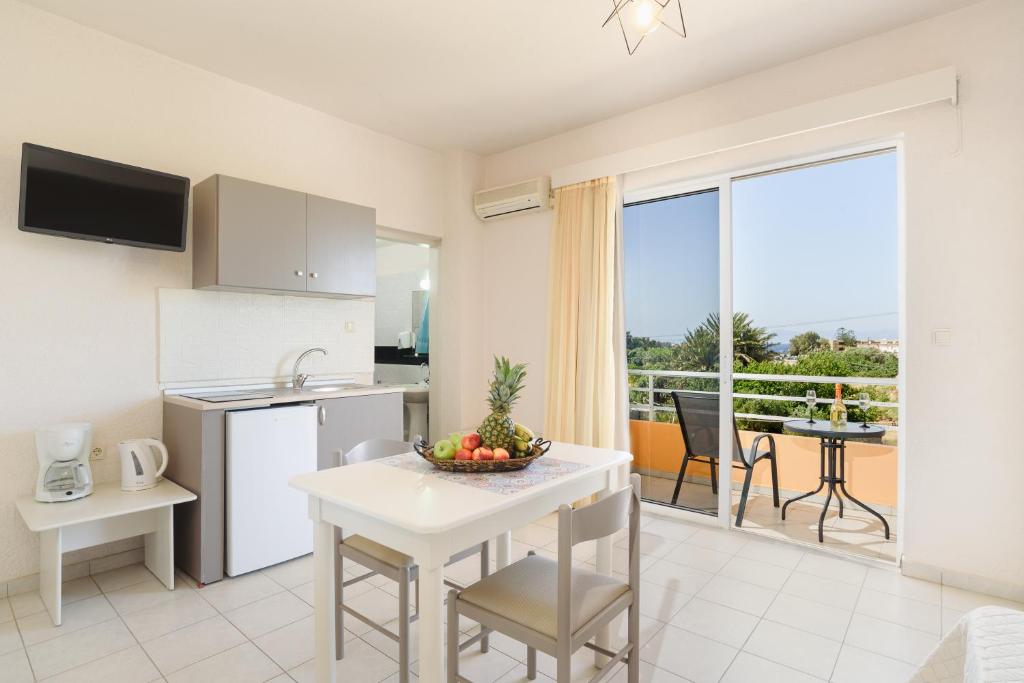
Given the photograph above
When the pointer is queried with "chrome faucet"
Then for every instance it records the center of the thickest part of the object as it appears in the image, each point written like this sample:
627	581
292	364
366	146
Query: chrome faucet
299	379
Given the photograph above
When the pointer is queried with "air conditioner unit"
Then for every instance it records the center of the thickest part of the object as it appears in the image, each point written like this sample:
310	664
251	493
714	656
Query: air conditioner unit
511	200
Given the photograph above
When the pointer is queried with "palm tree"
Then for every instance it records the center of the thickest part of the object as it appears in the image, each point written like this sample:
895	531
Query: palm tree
749	342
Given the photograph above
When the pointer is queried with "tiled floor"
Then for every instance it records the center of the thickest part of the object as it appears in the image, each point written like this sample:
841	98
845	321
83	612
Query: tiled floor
856	533
716	606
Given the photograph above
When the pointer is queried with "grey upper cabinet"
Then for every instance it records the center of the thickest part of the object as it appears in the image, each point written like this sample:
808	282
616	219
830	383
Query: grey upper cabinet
340	247
251	236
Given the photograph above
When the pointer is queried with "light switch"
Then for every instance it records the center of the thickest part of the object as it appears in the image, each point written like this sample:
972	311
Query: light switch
942	337
350	326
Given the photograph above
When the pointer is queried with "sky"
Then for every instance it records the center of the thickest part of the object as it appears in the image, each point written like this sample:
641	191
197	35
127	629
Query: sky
814	249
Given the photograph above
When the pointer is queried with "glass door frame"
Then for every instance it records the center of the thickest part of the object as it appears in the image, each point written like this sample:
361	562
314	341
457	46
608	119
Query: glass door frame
722	182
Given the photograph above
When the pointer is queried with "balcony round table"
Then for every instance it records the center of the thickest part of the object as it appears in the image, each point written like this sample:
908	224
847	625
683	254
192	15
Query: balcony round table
833	451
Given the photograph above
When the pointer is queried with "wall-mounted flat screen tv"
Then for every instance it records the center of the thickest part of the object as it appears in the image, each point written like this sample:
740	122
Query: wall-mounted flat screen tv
72	195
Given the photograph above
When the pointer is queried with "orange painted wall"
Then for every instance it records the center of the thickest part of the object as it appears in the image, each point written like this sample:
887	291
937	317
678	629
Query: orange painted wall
871	469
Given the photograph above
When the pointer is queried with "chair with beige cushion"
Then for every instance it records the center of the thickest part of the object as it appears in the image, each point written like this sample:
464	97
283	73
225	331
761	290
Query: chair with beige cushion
553	606
399	567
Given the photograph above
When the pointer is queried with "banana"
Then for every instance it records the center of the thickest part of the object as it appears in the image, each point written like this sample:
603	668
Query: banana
523	432
521	445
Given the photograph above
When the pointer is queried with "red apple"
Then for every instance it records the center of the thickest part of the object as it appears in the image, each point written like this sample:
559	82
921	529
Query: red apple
483	453
463	454
501	454
471	441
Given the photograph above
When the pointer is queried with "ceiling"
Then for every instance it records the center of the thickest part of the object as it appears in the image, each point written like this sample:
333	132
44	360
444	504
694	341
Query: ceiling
485	75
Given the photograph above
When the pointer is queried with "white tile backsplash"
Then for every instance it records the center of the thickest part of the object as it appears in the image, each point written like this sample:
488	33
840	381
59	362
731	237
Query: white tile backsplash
212	337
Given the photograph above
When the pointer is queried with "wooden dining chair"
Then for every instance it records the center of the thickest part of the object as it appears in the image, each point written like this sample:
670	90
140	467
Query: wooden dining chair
698	421
379	559
555	607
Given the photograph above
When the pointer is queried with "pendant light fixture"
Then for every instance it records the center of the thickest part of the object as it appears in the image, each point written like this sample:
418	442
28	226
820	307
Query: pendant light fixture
639	18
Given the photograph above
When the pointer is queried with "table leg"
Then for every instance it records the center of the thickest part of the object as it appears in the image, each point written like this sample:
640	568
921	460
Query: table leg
821	485
50	572
432	648
325	558
503	549
160	547
842	487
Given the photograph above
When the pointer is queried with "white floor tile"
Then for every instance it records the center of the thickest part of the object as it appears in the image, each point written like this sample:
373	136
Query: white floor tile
919	615
78	589
231	593
856	666
670	529
483	666
807	615
689	655
268	614
6	613
293	572
715	621
746	597
25	604
361	663
77	615
650	544
648	674
796	649
184	609
16	667
127	666
660	603
698	557
892	582
291	645
965	601
242	664
10	639
780	554
516	675
122	577
889	639
723	541
832	568
375	604
756	572
582	666
677	577
142	595
747	668
188	645
826	591
66	652
535	535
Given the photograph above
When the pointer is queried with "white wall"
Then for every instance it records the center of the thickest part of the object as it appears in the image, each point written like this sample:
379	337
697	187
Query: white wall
964	244
78	324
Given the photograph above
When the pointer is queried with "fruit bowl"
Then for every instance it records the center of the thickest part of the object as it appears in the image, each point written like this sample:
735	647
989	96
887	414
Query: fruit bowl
538	448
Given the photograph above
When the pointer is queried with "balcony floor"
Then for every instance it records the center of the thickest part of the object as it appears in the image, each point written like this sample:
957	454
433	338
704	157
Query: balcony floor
856	533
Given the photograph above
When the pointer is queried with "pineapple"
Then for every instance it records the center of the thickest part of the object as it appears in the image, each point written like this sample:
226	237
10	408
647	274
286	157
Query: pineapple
498	430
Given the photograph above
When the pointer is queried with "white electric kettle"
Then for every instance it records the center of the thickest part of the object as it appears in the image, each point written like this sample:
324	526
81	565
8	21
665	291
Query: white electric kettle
138	467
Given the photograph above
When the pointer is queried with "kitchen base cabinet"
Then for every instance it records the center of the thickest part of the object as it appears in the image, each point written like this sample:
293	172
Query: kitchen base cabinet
347	422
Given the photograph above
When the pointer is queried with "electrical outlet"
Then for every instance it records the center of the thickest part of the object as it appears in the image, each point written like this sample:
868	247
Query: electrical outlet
350	326
96	454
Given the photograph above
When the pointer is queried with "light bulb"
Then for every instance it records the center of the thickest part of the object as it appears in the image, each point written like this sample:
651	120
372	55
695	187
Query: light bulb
425	284
645	14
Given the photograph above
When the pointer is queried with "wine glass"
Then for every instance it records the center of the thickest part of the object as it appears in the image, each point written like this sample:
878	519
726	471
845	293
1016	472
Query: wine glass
865	402
812	398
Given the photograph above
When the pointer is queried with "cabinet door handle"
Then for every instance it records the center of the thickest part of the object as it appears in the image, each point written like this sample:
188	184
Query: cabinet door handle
314	275
299	273
322	415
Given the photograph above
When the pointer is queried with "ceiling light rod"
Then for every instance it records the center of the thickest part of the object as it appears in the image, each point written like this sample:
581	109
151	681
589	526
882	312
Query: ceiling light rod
647	17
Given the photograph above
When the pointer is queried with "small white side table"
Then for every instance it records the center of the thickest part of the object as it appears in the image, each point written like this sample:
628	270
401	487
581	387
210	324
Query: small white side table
109	514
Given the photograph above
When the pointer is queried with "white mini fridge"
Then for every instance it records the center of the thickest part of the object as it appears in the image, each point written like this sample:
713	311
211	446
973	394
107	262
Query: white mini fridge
267	521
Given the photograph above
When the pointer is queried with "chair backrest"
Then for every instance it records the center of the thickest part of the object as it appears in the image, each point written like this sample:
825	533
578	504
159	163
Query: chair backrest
597	520
374	449
698	421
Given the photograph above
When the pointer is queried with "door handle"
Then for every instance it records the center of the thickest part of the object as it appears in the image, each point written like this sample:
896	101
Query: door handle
298	273
322	415
314	275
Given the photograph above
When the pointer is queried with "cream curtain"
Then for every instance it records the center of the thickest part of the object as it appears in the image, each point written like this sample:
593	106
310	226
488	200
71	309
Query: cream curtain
586	401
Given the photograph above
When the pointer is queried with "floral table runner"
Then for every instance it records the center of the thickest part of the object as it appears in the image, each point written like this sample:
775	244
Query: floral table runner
503	483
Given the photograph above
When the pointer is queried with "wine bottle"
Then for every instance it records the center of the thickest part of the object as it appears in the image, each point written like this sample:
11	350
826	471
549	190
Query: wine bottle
837	414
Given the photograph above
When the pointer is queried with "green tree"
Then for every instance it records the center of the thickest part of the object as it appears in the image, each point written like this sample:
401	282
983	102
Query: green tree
750	343
806	342
846	337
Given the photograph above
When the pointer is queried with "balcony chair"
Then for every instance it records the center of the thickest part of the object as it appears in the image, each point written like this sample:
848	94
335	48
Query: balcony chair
698	421
555	607
398	567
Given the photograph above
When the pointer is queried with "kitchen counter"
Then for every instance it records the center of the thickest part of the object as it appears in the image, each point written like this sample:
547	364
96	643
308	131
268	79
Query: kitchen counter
277	395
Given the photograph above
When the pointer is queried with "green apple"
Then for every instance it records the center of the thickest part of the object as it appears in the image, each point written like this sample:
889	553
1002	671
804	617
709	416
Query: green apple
444	450
456	440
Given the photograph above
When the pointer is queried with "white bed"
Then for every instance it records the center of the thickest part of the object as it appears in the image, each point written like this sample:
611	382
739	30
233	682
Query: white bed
986	645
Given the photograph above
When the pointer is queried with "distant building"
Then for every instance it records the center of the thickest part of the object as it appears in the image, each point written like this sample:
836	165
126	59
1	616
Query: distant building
883	345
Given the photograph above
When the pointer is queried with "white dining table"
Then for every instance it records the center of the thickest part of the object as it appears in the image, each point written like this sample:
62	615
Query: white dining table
430	516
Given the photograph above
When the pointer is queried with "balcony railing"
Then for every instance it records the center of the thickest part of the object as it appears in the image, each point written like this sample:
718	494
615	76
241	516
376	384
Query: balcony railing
651	406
